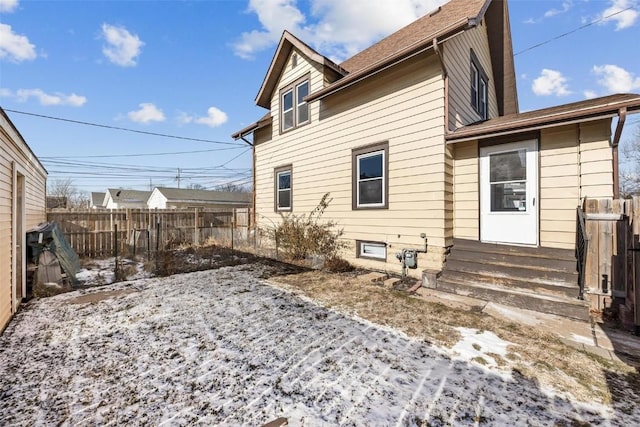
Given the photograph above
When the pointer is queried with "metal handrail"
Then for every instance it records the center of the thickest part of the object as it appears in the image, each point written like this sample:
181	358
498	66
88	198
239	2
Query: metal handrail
582	245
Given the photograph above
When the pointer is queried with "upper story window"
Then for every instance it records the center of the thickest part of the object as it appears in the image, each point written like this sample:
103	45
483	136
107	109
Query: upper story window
294	111
479	88
370	177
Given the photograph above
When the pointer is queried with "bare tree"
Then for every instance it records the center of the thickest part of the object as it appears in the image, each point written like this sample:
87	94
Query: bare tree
630	166
66	194
233	188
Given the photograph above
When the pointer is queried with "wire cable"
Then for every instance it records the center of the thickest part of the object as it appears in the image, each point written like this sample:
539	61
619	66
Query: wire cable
573	31
163	135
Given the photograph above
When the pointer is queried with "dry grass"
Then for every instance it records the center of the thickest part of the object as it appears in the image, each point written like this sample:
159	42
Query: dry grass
537	355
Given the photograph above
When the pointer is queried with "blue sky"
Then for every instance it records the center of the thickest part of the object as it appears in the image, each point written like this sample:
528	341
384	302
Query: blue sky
192	69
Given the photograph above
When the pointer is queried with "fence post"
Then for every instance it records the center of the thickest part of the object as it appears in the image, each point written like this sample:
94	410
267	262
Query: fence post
115	246
157	240
196	233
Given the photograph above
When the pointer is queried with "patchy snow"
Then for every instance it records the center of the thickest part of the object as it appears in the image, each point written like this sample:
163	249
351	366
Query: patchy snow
102	272
475	346
226	348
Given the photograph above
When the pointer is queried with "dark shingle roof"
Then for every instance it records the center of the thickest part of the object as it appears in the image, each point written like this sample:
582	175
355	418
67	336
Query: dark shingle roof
530	120
189	195
129	196
448	16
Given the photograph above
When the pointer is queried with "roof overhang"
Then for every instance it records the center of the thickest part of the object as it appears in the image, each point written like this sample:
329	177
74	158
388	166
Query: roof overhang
263	122
287	42
579	112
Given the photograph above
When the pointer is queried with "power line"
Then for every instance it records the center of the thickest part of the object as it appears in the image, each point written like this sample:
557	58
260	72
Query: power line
573	31
140	154
163	135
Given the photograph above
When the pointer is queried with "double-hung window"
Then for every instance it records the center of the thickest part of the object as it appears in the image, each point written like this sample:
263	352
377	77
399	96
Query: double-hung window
479	88
282	185
370	177
294	110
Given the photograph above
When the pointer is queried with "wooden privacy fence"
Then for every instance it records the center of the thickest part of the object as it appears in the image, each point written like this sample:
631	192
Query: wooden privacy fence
612	270
93	233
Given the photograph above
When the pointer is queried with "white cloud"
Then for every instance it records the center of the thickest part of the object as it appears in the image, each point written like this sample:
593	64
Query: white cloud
550	82
15	47
623	13
47	99
214	118
616	79
122	47
8	6
566	6
589	94
339	28
146	114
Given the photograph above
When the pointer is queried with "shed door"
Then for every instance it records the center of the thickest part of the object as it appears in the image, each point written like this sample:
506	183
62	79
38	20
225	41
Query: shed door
509	193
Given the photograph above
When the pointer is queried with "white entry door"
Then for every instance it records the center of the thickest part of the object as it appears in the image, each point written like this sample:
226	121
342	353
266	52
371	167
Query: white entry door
509	193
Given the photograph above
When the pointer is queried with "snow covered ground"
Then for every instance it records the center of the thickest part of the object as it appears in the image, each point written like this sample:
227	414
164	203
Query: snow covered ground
223	347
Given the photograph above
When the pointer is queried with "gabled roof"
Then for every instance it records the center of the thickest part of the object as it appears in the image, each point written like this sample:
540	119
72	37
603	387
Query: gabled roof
128	196
582	111
190	195
97	198
287	42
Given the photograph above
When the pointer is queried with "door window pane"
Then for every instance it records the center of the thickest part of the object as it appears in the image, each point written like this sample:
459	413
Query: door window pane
509	166
509	197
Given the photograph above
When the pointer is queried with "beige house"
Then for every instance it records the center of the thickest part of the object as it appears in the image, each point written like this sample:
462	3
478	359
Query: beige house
420	135
177	198
22	206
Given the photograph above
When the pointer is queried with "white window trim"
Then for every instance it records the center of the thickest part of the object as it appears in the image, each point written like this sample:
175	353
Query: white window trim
278	190
382	178
377	250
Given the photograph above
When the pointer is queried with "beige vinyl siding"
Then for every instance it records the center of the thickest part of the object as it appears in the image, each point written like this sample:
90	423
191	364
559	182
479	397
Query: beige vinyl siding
457	61
596	160
465	190
404	106
559	186
13	151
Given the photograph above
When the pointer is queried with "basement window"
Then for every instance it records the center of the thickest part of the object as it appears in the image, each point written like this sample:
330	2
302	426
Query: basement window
371	250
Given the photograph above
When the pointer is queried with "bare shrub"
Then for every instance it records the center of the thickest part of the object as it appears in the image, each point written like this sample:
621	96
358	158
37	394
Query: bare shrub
337	265
299	236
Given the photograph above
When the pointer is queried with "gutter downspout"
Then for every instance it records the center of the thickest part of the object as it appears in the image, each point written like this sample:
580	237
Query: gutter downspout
445	76
622	116
253	178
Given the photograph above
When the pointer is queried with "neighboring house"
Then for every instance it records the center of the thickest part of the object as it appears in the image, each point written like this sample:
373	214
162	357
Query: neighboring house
96	200
116	198
22	206
175	198
420	133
